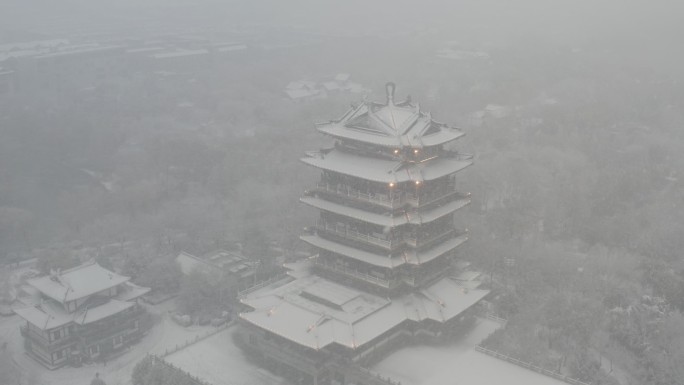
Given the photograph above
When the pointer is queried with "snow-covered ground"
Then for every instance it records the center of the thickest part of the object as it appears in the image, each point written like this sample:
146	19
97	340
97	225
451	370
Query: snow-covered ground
164	335
458	364
218	361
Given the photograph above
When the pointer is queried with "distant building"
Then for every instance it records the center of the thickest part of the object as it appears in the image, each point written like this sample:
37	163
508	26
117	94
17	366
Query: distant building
384	267
305	90
81	314
222	261
497	112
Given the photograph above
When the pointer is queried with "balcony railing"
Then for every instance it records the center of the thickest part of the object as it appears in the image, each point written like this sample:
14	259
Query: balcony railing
354	235
389	201
426	239
424	277
38	338
93	336
93	333
384	200
424	198
386	283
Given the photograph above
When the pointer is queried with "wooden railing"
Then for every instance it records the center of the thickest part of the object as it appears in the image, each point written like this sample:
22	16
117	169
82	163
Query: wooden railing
261	284
354	235
179	373
389	201
41	340
426	239
530	366
496	319
367	377
432	197
386	283
380	199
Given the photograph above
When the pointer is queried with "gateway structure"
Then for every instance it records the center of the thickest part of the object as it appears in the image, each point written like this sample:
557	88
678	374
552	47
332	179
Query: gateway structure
384	267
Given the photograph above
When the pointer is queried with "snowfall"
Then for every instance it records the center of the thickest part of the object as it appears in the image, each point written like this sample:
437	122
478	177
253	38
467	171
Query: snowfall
218	361
458	364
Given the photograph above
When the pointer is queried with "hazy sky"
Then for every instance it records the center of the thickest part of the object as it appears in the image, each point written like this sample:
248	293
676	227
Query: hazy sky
566	19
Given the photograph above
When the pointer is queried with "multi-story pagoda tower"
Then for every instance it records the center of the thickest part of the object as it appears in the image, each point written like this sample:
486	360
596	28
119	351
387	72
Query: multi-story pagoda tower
387	196
383	267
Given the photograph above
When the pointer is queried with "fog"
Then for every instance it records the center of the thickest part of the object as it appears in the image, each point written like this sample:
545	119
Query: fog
161	221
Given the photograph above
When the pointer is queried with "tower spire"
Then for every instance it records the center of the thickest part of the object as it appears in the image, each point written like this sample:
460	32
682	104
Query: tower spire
389	89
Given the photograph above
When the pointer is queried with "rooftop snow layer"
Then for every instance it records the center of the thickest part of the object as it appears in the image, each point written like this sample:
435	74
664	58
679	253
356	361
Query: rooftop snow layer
384	170
412	217
90	315
76	283
397	125
360	317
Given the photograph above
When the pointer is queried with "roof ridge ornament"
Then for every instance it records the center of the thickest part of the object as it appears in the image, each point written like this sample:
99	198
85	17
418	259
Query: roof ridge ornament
389	89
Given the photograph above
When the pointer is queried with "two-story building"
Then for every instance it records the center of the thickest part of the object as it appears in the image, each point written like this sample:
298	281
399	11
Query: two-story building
81	314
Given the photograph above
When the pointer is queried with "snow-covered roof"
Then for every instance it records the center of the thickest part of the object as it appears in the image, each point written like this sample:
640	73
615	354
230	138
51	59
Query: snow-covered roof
49	314
189	263
364	256
412	257
391	124
90	315
222	260
417	216
384	170
45	317
130	291
315	312
76	283
232	262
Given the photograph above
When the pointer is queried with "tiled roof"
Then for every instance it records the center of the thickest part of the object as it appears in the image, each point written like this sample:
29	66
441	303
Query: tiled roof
315	312
76	283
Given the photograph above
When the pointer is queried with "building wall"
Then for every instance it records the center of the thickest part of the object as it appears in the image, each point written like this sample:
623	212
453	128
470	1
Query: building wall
52	347
71	306
77	345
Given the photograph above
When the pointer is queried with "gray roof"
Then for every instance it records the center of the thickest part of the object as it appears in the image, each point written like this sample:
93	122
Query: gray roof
47	316
384	170
418	216
391	124
352	318
412	257
90	315
76	283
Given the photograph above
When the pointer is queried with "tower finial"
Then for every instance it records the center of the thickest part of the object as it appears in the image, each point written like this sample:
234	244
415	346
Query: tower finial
389	88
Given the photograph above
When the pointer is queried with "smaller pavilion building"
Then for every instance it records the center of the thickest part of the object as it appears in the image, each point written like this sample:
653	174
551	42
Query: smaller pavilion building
81	314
